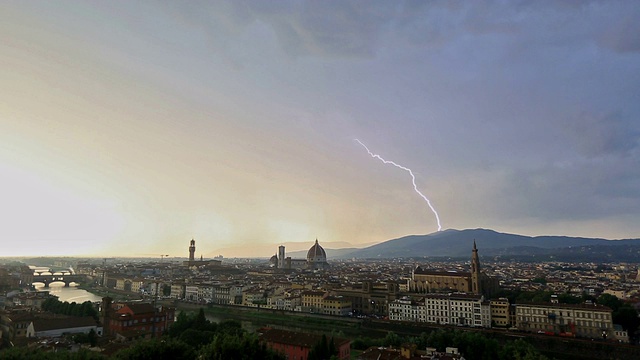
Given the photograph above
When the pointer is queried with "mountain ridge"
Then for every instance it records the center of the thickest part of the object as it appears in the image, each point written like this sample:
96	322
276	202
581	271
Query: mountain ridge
458	243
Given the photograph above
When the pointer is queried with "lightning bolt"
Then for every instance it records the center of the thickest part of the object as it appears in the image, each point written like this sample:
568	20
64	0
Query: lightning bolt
413	179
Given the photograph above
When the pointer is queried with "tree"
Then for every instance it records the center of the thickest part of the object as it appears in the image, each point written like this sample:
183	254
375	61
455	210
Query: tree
169	349
93	337
57	307
520	350
623	313
196	338
392	339
231	327
25	353
627	316
323	350
610	301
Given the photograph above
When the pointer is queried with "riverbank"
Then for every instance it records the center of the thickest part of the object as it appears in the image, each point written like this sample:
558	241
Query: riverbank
287	320
554	347
117	295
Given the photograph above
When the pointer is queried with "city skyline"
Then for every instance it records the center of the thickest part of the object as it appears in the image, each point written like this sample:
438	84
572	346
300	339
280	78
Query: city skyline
134	127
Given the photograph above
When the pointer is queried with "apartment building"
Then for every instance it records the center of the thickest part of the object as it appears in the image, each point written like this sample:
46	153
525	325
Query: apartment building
312	301
585	320
336	305
453	309
500	312
405	309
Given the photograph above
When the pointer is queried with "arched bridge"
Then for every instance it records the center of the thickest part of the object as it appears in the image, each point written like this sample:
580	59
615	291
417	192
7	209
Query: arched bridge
47	278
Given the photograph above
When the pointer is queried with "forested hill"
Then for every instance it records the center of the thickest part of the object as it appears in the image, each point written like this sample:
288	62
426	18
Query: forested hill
459	243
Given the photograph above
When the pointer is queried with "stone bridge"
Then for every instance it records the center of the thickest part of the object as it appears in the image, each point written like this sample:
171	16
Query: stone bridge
65	277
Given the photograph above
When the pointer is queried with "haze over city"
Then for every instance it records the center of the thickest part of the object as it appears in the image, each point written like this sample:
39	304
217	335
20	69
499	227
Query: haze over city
128	128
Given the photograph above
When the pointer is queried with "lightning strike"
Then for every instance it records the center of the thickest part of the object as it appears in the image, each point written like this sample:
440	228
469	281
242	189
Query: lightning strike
413	180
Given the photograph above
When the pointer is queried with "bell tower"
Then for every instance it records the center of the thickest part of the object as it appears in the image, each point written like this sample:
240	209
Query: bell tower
192	250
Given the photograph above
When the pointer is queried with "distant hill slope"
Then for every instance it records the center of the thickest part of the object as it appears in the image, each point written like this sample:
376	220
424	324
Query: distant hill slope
458	243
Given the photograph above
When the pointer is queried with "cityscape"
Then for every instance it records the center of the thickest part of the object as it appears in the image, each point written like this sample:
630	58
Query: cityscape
138	299
320	180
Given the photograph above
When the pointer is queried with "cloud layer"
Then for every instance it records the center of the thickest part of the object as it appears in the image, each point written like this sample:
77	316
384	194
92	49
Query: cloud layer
233	122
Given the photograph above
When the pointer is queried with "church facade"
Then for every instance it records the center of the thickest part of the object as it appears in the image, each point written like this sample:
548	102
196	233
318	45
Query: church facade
473	282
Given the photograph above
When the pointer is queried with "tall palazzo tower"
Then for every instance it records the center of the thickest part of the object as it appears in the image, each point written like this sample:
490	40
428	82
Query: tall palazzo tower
475	271
192	250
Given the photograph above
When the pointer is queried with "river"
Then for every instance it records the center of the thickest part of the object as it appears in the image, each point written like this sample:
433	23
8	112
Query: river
70	294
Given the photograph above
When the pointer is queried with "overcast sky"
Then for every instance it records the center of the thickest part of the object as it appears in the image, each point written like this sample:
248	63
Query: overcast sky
129	127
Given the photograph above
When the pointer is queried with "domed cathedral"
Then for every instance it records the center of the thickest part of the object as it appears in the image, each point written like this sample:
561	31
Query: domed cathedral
317	257
473	282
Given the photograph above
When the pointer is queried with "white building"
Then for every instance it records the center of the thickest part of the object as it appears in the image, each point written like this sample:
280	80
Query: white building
191	292
586	320
405	309
53	328
454	309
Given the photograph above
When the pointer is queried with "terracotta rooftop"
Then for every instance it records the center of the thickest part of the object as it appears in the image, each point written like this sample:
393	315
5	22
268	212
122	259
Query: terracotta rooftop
68	323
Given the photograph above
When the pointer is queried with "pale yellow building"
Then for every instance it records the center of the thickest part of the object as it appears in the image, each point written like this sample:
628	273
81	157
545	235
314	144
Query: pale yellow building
500	312
585	320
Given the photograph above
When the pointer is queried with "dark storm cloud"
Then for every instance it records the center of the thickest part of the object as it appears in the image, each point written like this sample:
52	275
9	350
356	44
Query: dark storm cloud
583	191
542	93
357	28
601	135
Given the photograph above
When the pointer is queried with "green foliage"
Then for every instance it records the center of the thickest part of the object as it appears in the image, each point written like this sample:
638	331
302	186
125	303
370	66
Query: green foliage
323	350
623	313
237	347
627	316
24	353
473	345
73	309
392	339
520	350
90	338
157	349
196	338
166	290
363	343
230	327
610	301
566	298
186	321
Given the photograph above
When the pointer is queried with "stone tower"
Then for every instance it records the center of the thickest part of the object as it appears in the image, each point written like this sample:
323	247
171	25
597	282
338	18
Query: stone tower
281	257
192	250
475	271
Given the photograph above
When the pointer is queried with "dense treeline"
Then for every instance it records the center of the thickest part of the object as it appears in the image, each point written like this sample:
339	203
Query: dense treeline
193	336
541	296
190	337
325	349
24	353
472	345
73	309
623	313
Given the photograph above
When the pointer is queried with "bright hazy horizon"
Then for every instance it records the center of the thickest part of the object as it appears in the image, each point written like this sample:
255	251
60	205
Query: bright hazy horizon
128	128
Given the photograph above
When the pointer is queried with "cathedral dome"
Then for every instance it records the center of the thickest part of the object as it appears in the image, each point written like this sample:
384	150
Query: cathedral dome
274	260
316	253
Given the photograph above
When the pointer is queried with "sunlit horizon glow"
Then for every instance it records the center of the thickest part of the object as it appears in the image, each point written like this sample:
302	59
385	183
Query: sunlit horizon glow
130	129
